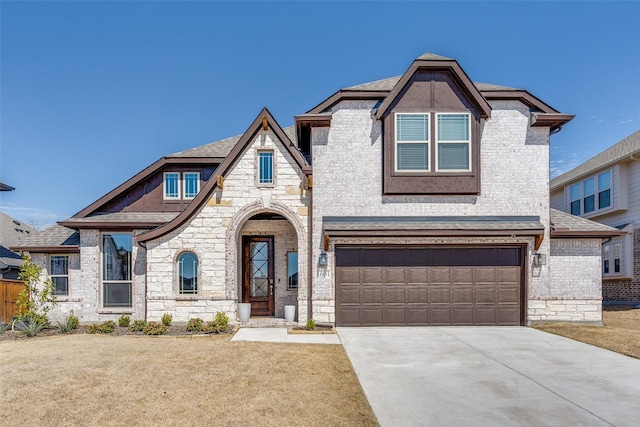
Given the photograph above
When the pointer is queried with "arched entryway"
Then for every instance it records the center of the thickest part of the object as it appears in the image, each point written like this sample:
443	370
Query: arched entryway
266	260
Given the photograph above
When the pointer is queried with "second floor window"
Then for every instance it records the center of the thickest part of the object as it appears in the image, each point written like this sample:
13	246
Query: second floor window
171	185
591	194
191	184
265	167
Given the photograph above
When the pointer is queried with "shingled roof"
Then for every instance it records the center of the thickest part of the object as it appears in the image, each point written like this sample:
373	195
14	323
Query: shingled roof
12	232
630	146
386	85
566	225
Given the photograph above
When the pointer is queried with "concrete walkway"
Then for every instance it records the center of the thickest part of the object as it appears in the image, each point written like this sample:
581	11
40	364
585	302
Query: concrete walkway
491	377
281	335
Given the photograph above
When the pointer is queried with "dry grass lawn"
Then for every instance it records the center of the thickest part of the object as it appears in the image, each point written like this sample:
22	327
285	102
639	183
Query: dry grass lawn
620	333
132	380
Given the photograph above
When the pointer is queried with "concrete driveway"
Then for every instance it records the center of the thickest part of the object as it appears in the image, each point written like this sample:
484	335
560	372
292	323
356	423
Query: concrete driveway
477	376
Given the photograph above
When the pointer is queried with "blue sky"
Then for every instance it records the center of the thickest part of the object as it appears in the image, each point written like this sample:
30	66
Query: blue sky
93	92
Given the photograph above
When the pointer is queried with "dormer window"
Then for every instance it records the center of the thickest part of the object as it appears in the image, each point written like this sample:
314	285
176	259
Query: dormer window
171	185
453	142
179	185
191	184
412	142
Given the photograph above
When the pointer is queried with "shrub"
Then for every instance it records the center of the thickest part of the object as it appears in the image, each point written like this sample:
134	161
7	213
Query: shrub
311	324
166	319
124	321
195	325
30	326
4	327
138	326
70	323
155	328
102	328
35	299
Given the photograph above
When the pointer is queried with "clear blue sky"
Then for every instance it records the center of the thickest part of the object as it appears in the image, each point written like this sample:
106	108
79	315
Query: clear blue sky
93	92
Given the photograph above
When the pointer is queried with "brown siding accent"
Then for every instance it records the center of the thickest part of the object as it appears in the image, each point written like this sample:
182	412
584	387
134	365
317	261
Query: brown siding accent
411	286
431	92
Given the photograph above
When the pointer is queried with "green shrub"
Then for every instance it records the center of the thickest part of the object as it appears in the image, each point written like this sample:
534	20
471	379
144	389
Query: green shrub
102	328
70	323
4	327
138	326
311	324
166	319
30	326
155	328
124	321
36	298
219	324
195	325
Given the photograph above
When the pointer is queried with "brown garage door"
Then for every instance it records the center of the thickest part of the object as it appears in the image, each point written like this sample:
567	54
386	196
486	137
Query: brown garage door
396	286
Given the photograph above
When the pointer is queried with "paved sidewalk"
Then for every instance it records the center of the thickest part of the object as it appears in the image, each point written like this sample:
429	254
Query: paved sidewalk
282	335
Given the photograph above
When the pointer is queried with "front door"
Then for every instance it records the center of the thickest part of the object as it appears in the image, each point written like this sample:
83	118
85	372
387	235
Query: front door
258	274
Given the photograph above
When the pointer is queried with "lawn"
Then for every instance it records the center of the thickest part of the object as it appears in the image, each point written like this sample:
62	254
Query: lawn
620	333
139	380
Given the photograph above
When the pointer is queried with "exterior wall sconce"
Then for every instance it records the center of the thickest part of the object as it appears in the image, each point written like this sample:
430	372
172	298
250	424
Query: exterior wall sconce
323	260
539	259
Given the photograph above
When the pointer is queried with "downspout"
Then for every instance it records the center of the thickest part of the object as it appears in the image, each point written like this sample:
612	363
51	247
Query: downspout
310	250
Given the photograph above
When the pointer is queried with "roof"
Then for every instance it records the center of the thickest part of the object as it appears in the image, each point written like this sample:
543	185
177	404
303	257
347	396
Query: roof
223	147
121	220
12	231
386	85
51	238
5	187
566	225
432	225
629	146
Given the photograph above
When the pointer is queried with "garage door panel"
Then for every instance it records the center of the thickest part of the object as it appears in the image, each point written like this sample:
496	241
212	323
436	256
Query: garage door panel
372	295
404	286
395	295
417	295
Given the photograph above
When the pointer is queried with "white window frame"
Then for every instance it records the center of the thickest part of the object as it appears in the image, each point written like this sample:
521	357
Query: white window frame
596	194
438	142
184	184
164	186
626	255
427	142
117	309
53	276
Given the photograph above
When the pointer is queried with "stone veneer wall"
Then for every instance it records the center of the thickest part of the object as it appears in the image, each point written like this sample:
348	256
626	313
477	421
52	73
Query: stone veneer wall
214	234
576	285
347	176
626	291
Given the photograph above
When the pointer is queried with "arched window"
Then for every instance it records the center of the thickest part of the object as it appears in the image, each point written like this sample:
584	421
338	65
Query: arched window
188	273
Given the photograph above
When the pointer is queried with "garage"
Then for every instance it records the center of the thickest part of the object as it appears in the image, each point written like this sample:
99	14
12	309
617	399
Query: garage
429	285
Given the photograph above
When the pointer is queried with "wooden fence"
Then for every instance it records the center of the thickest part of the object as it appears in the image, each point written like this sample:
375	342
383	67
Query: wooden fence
9	290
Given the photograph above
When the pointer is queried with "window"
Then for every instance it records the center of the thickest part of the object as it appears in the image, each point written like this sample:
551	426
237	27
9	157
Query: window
188	273
191	184
452	148
591	194
59	274
292	271
116	270
453	141
412	142
265	167
611	254
171	185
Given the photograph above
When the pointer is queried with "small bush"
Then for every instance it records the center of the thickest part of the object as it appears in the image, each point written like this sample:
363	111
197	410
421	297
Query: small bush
311	324
155	328
195	325
124	321
70	323
138	326
4	327
102	328
30	326
219	324
166	319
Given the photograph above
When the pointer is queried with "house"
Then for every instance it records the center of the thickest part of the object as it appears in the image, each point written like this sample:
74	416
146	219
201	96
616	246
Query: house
421	199
606	189
11	232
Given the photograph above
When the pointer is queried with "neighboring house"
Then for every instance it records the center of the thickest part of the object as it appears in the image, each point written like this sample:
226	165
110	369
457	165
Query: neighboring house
11	233
5	187
415	200
606	189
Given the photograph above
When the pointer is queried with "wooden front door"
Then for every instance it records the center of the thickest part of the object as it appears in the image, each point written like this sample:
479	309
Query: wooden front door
258	274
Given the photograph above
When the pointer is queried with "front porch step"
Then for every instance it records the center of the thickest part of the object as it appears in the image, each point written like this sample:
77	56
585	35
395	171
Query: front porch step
265	322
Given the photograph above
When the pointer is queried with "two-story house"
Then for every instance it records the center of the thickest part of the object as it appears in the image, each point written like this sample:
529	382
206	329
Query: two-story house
421	199
606	189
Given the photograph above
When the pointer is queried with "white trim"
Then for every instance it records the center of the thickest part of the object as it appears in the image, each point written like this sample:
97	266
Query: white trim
625	243
396	142
184	184
596	200
52	276
438	142
164	186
